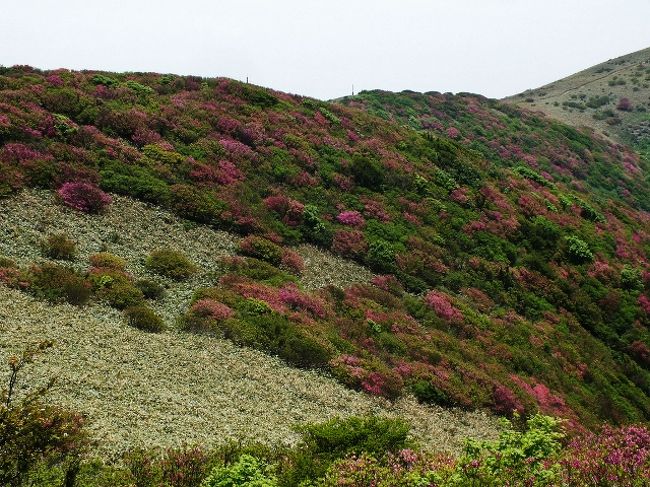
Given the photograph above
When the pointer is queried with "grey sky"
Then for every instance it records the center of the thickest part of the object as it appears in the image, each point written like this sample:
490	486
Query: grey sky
319	48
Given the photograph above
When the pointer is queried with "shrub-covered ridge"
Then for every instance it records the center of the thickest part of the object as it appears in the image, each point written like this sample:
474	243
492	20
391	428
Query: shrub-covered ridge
525	280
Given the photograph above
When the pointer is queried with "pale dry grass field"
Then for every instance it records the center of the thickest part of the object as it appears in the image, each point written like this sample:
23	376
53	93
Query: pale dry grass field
141	389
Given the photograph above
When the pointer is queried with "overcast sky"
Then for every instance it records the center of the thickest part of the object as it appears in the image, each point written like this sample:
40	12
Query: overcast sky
321	47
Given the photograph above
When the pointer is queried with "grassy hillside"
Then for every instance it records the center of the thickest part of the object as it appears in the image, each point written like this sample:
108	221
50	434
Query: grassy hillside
510	272
167	389
612	97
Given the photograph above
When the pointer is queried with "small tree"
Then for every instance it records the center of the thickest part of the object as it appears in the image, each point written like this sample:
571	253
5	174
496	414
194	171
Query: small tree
32	432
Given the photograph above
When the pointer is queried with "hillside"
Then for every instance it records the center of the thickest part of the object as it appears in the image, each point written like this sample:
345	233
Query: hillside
510	272
612	97
168	389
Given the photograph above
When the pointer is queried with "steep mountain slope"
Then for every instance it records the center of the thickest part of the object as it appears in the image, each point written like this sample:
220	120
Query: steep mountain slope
513	274
612	97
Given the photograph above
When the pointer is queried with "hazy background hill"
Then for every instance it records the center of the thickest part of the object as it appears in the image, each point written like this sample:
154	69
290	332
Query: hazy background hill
612	97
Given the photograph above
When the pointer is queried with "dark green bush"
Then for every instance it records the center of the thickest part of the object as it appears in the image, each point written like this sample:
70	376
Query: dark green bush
356	435
303	351
381	256
121	294
59	284
315	228
144	318
631	278
195	204
59	247
135	181
367	172
261	248
322	444
578	250
258	270
150	289
171	264
426	392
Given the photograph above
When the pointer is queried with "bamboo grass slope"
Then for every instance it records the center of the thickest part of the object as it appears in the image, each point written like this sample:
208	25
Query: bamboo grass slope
509	252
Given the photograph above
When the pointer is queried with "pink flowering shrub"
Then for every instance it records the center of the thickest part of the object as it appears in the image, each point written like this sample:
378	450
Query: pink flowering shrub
453	132
388	283
613	456
351	218
640	352
292	261
505	401
644	302
292	297
441	305
85	197
210	308
289	210
625	105
349	243
228	173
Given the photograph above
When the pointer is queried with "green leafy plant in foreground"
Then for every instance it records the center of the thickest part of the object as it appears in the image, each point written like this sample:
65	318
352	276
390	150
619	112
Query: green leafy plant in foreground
248	471
33	432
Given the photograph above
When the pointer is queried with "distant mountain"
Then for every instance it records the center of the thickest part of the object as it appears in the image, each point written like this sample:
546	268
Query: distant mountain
612	97
510	251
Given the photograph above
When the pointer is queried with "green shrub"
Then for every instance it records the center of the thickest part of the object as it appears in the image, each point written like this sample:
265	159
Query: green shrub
578	250
108	261
264	330
150	289
528	173
121	294
631	278
247	471
315	228
355	435
32	430
322	444
381	256
516	456
139	88
170	263
59	284
426	392
197	205
259	271
303	351
139	182
100	79
261	248
59	247
367	172
258	96
144	318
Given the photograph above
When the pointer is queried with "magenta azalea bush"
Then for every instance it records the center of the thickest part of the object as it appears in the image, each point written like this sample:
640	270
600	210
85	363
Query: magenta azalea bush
85	197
